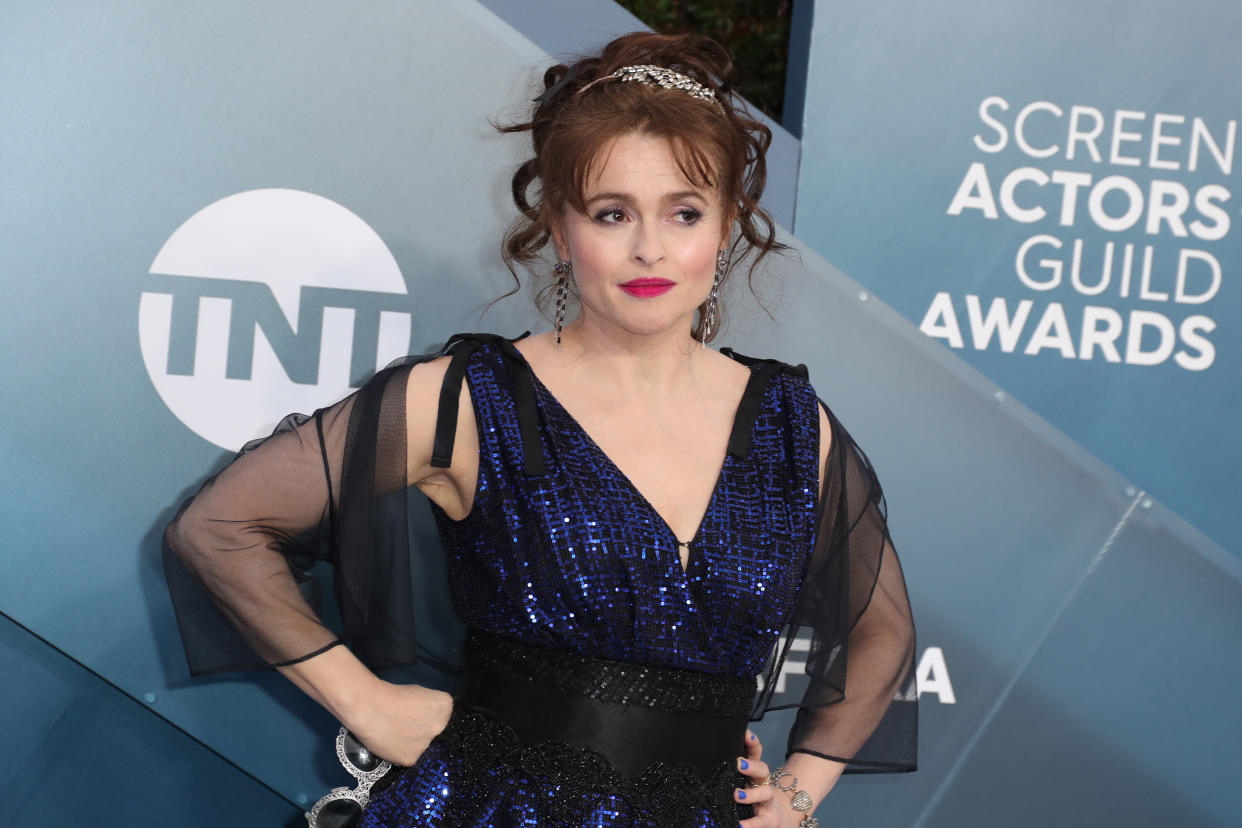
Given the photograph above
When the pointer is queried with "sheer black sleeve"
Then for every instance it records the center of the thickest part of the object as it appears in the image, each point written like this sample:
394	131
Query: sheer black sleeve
853	623
329	486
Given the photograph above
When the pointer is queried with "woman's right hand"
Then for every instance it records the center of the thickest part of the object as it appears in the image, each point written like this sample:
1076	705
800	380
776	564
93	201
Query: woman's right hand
398	721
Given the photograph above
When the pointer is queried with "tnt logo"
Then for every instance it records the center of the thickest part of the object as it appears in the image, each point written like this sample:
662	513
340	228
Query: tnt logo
265	302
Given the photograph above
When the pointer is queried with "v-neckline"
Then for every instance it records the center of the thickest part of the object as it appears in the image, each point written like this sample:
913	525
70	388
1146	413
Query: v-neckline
691	544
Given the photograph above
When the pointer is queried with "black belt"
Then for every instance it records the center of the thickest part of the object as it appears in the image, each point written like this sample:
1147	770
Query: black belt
635	714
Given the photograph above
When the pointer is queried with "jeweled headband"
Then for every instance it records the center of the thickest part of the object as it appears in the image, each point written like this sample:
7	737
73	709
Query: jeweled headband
661	77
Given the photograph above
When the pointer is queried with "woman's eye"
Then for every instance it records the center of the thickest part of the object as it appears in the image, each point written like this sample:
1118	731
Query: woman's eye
610	216
689	215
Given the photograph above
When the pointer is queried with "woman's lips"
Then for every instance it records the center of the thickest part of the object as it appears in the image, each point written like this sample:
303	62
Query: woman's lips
647	287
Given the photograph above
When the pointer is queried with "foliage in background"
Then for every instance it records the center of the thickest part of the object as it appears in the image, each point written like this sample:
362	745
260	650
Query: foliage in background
756	33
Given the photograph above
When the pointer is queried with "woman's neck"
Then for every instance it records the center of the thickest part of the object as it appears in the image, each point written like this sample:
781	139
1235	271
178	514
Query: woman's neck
639	364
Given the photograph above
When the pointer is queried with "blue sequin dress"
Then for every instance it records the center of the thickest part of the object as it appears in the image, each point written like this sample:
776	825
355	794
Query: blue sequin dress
576	560
600	682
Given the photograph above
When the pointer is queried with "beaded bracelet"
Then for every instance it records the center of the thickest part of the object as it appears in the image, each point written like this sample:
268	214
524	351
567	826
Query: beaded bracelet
801	799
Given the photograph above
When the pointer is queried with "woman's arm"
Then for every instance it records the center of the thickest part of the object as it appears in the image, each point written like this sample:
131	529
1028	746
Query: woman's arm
253	528
816	775
395	721
860	705
452	488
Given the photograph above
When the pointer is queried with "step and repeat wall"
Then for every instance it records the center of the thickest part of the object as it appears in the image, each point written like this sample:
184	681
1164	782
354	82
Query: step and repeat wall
1050	191
218	214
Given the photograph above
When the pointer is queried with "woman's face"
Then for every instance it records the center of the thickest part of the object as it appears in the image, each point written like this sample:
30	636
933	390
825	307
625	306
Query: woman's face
644	252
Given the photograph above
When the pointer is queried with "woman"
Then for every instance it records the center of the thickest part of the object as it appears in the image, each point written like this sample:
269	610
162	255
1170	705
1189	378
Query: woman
637	526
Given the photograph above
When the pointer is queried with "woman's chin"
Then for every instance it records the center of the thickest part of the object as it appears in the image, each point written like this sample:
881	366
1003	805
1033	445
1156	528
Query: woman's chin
654	325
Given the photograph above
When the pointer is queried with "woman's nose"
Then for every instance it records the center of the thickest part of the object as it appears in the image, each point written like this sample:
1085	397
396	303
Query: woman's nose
648	246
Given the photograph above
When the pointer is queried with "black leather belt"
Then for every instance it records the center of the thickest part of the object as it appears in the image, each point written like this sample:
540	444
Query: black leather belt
634	714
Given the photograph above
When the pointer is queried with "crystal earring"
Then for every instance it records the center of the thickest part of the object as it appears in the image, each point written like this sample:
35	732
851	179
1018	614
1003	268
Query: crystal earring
711	314
564	270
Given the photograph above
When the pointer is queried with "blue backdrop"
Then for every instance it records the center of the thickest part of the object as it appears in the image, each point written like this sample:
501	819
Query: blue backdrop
1047	190
219	214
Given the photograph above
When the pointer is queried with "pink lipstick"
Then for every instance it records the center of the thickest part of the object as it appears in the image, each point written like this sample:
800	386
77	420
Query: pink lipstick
647	287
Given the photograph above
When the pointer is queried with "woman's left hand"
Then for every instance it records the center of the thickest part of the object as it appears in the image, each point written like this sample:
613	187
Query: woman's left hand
773	808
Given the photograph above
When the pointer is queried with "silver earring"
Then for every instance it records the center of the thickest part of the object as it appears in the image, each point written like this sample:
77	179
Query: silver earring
564	270
711	314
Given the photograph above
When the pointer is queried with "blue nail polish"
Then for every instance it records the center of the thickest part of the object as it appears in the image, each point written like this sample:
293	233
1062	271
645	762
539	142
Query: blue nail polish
745	764
741	793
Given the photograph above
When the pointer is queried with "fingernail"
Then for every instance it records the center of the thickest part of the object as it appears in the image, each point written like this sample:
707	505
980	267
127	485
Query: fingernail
744	763
741	794
750	735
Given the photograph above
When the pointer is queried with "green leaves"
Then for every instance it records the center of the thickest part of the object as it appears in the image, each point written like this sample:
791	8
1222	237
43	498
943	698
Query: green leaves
756	33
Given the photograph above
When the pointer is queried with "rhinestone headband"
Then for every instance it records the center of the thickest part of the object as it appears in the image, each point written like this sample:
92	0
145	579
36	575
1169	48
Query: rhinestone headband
661	77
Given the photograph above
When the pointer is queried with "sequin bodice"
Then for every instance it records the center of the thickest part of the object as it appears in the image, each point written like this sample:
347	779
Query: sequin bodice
577	558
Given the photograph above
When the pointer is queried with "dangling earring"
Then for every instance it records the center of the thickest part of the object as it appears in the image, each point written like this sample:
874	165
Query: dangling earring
711	314
564	269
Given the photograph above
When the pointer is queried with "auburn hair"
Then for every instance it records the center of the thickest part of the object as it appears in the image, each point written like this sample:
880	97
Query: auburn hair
716	146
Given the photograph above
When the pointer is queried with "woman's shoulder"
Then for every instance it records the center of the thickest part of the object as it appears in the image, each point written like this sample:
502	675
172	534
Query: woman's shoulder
751	361
421	380
794	386
792	378
425	373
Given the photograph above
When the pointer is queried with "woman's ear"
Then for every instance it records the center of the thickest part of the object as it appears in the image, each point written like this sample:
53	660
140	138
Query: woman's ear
557	228
726	230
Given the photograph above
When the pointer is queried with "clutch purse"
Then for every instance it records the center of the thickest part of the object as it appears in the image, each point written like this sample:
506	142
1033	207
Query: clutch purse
342	807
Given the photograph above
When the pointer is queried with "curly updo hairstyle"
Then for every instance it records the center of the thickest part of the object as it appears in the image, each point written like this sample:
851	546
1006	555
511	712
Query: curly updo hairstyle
719	147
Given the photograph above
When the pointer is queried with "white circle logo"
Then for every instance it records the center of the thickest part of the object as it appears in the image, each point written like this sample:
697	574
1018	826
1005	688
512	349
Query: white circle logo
267	302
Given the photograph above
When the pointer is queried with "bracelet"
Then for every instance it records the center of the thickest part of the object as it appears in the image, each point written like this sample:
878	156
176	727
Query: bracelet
801	799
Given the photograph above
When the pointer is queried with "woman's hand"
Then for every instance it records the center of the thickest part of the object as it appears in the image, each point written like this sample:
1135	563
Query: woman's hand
398	721
773	808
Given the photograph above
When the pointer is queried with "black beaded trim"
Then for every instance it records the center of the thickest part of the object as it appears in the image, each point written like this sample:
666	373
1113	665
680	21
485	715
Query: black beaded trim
485	749
622	682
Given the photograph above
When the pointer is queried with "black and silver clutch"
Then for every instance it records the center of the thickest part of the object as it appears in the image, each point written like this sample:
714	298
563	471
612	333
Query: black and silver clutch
342	807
